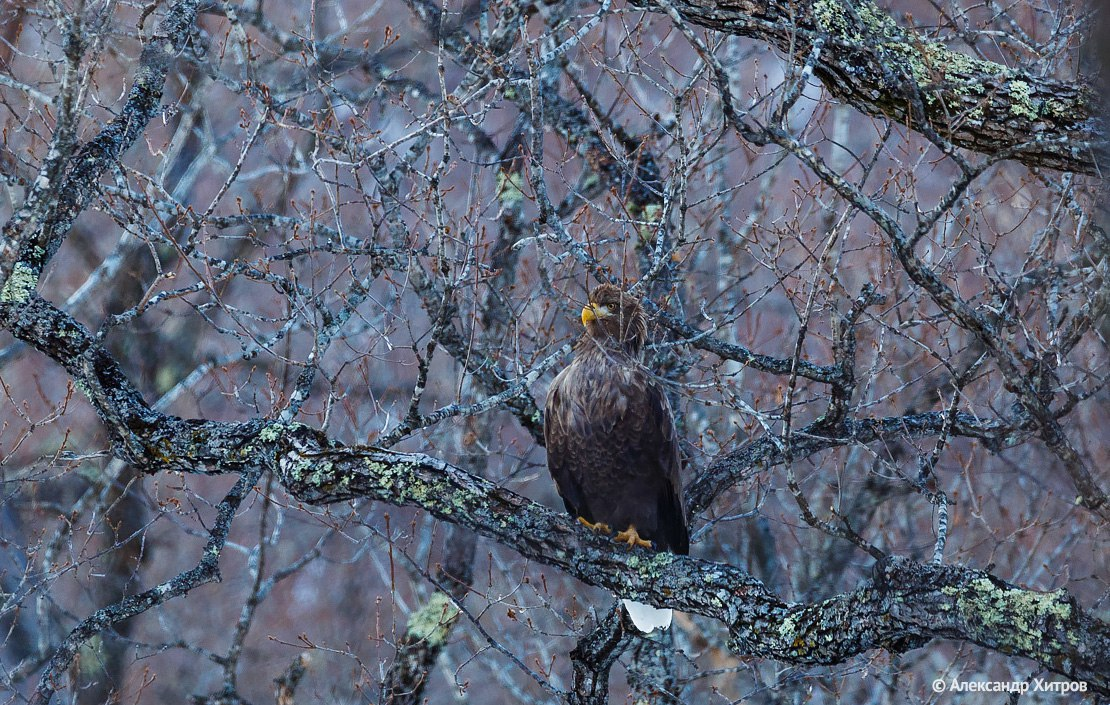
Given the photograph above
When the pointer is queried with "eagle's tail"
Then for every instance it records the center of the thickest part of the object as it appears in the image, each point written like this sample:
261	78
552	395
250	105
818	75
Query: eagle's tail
647	618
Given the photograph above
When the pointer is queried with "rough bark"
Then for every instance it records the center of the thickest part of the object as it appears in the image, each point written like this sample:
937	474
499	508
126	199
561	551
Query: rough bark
868	61
906	604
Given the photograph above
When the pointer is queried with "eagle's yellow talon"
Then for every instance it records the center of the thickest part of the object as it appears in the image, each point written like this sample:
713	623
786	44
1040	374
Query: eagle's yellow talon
599	527
632	538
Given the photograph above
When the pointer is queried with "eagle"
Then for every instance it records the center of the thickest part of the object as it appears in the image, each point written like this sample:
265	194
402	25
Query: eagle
612	446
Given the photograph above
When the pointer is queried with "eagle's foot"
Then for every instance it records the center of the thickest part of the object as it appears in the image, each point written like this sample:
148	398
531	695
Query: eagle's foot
632	538
599	527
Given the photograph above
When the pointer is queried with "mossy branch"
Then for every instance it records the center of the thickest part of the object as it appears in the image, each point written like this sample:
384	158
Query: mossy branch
906	604
882	69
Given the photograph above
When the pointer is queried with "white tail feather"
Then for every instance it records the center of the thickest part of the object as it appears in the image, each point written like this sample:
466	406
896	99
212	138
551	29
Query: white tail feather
647	618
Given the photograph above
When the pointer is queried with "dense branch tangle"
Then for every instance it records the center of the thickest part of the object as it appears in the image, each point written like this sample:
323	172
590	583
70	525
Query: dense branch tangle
431	218
896	612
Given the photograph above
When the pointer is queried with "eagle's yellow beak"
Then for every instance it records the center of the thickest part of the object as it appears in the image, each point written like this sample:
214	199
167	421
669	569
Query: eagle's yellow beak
589	313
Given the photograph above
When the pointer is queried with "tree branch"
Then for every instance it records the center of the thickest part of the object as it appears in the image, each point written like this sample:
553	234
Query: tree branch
882	69
42	222
206	571
907	603
594	656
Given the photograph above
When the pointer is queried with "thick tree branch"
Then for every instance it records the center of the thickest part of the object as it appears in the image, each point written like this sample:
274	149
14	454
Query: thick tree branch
872	64
907	604
595	655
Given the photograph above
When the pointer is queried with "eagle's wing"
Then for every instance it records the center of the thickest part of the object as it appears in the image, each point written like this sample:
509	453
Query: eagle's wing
650	445
565	450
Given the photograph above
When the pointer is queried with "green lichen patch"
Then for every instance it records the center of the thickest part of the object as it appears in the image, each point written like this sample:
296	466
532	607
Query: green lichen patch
404	483
394	476
932	61
300	453
432	622
651	567
274	431
650	221
1021	101
790	633
323	474
657	563
832	18
1062	109
510	188
20	285
1019	617
270	434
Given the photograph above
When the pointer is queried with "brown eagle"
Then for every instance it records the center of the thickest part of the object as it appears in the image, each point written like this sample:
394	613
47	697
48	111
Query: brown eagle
612	447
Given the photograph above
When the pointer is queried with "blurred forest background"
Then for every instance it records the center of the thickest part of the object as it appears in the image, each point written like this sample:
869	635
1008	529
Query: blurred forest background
868	238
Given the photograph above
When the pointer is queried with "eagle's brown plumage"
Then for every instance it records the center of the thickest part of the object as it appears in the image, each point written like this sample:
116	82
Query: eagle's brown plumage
612	448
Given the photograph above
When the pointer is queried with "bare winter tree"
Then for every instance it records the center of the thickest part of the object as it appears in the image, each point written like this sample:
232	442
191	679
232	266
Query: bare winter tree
284	284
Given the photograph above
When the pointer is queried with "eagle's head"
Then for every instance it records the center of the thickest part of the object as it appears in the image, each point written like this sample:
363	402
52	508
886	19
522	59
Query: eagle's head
612	316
